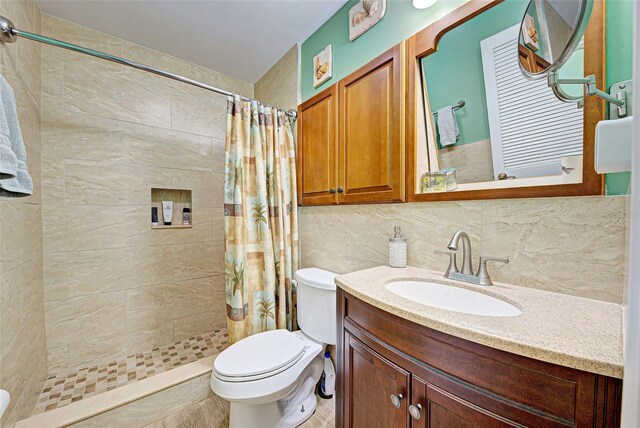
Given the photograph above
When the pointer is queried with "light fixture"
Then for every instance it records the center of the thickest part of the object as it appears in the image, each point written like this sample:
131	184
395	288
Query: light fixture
423	4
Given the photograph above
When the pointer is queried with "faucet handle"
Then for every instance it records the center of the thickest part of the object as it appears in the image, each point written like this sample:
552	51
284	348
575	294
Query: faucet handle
453	266
483	274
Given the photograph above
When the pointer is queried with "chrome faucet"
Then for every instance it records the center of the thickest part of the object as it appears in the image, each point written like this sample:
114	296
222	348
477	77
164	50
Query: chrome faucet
466	274
467	268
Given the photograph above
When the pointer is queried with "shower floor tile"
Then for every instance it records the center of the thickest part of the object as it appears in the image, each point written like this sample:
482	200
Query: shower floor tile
61	390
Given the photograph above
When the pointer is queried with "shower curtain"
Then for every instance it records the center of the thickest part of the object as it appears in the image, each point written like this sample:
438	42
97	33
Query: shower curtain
261	219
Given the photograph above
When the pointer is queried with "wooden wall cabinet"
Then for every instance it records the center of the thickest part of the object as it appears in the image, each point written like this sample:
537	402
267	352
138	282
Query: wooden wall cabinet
318	149
443	381
351	137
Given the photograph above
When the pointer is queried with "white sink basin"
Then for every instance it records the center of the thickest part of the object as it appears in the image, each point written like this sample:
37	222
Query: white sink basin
452	298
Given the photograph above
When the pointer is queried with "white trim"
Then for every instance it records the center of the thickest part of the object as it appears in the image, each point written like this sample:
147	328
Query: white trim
631	385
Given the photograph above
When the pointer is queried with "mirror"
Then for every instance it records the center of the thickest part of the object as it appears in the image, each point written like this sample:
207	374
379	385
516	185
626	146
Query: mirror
550	32
483	125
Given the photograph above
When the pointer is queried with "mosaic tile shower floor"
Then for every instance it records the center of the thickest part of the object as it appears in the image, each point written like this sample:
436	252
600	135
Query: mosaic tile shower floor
64	389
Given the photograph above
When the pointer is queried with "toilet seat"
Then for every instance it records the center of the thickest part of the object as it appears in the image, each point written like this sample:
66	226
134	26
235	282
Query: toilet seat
277	350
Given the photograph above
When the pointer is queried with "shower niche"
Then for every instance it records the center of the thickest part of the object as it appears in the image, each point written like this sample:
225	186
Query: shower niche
180	212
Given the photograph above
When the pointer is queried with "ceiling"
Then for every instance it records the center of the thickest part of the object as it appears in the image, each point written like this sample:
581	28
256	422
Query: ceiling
241	38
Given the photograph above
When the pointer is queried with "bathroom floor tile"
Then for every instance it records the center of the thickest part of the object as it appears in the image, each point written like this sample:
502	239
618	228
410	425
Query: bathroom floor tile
61	390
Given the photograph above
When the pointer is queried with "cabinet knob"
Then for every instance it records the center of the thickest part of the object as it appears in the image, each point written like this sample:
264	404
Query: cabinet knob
332	190
340	190
396	399
415	410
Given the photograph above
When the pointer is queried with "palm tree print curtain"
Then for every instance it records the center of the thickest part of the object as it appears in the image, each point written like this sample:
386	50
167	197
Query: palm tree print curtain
261	220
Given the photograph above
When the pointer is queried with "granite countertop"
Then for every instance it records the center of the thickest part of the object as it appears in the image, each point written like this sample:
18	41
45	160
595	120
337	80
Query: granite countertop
570	331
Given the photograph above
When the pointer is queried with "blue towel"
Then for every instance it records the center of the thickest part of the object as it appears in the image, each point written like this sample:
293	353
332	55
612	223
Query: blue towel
22	184
8	159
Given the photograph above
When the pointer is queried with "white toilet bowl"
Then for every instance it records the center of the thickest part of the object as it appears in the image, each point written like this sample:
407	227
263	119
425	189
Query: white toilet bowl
270	377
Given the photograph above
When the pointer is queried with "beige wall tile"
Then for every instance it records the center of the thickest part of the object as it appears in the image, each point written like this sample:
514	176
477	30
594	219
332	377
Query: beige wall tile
74	319
566	245
56	286
22	335
112	346
99	271
109	135
11	313
57	359
79	136
52	180
190	326
569	245
21	232
21	362
192	261
201	388
110	183
278	86
74	228
207	188
149	146
202	116
138	230
144	411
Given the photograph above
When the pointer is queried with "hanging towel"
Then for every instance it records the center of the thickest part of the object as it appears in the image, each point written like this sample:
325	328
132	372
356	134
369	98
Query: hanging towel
21	185
447	126
8	159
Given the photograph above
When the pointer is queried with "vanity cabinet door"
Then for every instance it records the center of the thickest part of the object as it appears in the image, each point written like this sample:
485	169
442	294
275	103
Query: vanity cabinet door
370	382
318	149
371	137
440	408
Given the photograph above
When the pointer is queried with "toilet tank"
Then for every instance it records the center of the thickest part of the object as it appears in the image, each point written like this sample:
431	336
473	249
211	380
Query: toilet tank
316	304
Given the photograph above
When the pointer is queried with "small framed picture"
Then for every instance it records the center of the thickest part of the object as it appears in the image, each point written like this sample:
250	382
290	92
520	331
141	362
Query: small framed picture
530	33
322	67
364	15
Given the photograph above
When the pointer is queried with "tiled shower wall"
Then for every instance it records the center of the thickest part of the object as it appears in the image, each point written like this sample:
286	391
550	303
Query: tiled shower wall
574	246
112	285
278	86
22	333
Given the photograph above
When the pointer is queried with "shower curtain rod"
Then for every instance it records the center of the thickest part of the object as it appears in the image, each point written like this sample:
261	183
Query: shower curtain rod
9	34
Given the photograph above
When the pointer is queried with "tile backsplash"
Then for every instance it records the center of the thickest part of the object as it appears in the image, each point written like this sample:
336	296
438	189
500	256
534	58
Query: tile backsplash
568	245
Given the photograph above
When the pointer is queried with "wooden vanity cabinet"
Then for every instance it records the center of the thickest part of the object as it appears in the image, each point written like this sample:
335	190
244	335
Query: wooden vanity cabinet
452	382
351	137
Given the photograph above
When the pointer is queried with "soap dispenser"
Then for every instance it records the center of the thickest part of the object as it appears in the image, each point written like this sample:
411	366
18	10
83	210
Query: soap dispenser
397	249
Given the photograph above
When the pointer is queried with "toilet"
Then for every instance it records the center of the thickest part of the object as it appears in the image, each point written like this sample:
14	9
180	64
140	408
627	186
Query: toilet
270	378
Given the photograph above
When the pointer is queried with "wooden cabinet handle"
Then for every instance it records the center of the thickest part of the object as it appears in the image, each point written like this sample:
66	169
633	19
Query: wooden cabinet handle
415	410
340	190
332	190
396	399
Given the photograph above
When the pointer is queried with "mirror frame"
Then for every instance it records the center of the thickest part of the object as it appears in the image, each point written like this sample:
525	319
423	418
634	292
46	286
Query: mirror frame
425	42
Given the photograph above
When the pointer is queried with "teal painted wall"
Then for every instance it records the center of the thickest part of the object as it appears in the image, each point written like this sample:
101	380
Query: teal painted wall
619	67
402	20
455	71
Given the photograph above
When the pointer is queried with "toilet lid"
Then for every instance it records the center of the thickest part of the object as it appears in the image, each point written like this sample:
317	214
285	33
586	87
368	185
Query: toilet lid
259	354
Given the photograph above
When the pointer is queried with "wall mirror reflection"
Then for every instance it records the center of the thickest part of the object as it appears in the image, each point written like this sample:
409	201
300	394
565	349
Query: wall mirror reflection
481	123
